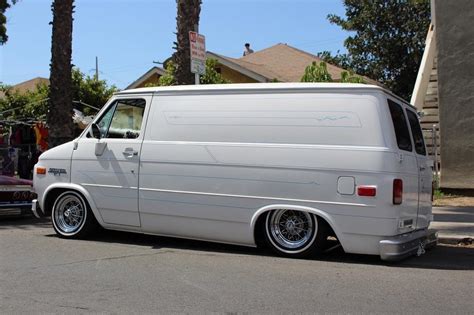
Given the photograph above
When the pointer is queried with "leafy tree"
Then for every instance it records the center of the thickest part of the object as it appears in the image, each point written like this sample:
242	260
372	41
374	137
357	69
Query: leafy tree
319	73
4	5
89	90
168	77
388	42
316	73
61	127
210	77
34	104
340	60
350	77
24	106
187	18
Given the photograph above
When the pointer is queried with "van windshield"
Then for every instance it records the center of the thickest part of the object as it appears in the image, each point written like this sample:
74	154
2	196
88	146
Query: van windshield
400	126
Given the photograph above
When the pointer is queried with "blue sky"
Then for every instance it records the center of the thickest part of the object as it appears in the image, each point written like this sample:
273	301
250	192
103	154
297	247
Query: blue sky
128	35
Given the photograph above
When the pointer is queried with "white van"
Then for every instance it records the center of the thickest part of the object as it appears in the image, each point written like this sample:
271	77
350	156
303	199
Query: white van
288	165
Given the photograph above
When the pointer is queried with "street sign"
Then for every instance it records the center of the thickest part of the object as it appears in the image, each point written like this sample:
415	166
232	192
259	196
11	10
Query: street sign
197	44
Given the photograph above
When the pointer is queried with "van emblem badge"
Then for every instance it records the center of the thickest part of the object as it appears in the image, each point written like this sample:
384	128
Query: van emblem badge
57	171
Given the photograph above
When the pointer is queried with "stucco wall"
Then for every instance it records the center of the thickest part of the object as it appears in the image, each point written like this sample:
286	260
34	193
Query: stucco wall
234	76
455	43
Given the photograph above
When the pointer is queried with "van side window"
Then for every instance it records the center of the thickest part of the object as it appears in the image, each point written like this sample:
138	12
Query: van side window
400	125
123	119
416	133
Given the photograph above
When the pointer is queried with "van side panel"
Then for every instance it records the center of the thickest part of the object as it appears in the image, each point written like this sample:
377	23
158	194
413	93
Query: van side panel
208	163
287	118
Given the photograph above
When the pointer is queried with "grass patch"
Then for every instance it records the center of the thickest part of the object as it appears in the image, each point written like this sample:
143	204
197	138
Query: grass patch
438	194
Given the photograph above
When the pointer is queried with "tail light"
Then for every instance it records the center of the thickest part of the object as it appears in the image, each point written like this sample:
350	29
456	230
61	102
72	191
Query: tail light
397	191
367	191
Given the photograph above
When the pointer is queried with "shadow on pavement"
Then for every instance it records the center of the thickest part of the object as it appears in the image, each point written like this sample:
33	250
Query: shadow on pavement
23	222
443	257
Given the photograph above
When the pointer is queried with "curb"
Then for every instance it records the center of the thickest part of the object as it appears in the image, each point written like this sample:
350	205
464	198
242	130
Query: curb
455	240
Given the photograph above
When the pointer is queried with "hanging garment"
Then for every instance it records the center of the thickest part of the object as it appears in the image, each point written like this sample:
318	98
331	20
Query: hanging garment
41	133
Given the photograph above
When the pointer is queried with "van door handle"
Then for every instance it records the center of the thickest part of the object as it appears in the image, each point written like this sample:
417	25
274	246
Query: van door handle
129	152
422	168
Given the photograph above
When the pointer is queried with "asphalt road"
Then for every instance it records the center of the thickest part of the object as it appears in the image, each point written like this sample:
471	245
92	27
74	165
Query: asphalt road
129	273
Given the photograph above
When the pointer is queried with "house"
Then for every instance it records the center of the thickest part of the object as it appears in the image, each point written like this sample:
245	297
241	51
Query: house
280	62
444	90
27	86
152	76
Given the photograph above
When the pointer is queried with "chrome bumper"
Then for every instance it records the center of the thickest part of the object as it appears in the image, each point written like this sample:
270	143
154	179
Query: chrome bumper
405	245
14	208
36	209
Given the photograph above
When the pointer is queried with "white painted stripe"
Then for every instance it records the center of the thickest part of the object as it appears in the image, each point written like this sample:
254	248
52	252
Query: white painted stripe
254	197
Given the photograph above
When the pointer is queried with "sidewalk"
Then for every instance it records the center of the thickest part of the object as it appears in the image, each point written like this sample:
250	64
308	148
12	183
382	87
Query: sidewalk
453	224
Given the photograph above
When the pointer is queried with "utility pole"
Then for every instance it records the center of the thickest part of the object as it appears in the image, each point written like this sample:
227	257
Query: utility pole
196	75
96	68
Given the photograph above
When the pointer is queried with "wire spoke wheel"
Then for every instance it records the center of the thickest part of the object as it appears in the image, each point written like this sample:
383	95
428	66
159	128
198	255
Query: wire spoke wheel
69	213
72	216
291	232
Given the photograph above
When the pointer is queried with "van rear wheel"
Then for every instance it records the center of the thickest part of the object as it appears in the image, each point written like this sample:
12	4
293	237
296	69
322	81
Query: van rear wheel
294	233
72	217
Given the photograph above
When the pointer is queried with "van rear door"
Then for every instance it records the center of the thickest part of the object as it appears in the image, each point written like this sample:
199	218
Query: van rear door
407	169
425	176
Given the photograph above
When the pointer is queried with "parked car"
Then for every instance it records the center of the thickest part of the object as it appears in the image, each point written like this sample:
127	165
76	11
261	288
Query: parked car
16	195
286	164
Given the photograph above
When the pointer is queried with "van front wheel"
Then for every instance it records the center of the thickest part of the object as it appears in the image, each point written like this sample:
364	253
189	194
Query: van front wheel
294	233
72	217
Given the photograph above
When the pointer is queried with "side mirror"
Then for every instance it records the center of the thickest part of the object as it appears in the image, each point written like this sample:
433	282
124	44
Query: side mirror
95	131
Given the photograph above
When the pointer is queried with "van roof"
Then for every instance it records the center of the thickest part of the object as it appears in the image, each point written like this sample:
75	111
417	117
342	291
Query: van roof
247	87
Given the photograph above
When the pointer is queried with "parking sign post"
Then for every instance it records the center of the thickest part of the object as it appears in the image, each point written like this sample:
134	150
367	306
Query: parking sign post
197	44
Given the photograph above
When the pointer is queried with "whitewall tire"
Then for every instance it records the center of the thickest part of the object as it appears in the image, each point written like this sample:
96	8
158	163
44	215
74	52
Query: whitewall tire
72	217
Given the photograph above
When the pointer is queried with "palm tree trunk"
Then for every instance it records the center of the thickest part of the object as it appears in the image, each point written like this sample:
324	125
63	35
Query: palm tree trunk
61	128
187	18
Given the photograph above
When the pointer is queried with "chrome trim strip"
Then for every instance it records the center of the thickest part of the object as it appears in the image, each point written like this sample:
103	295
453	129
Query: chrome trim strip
106	186
255	197
15	205
380	149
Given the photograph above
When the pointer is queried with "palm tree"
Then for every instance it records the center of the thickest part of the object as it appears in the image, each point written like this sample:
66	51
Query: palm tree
61	128
4	5
187	18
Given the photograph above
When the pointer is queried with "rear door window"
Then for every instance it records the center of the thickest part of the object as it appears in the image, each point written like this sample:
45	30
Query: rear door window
416	133
400	125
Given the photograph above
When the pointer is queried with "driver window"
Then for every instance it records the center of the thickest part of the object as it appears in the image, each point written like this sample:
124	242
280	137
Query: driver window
123	120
